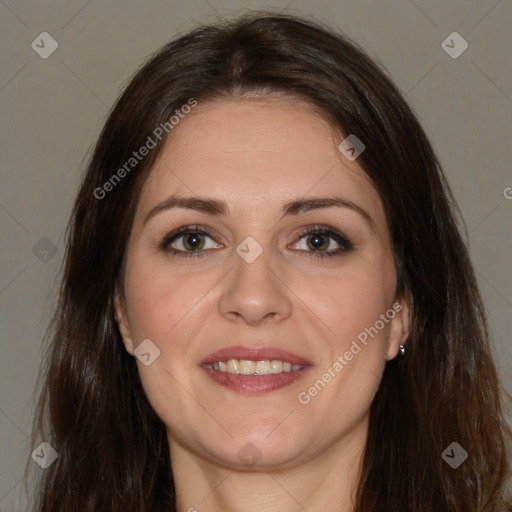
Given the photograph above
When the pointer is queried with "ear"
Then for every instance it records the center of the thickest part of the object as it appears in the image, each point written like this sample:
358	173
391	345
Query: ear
122	322
400	326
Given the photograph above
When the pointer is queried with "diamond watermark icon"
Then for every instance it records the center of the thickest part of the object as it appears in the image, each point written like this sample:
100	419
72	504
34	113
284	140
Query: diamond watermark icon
44	249
44	45
454	45
44	455
249	455
249	249
352	147
147	352
454	455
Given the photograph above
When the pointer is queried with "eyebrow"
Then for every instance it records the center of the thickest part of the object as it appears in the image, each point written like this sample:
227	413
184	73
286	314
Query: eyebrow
217	207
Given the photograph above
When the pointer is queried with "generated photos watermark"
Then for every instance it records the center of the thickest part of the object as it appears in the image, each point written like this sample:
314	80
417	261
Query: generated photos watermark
45	455
305	397
143	151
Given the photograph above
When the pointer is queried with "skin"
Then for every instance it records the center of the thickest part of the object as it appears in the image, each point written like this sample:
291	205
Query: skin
256	154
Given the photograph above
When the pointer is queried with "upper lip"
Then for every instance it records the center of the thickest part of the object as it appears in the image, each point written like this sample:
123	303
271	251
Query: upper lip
254	354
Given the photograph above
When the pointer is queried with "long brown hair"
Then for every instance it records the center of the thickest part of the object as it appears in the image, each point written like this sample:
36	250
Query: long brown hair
112	448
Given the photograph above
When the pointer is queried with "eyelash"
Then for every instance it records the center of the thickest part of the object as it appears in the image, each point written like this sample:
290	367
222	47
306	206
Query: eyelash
338	237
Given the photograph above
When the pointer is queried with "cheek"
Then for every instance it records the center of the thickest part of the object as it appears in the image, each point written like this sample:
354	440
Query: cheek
164	308
340	304
350	303
161	303
351	299
331	306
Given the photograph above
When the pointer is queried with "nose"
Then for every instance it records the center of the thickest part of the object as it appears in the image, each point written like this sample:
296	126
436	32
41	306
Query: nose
255	292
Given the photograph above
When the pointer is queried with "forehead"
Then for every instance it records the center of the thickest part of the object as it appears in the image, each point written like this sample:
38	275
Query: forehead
256	154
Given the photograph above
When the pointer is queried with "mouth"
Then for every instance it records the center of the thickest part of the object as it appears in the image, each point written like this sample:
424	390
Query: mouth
254	370
248	367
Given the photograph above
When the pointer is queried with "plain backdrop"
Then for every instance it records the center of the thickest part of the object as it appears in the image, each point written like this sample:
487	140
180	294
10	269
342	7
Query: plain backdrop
53	108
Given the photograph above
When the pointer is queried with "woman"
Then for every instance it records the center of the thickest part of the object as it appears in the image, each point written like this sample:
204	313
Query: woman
267	303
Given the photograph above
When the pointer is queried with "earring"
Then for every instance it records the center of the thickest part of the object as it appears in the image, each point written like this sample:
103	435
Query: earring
403	348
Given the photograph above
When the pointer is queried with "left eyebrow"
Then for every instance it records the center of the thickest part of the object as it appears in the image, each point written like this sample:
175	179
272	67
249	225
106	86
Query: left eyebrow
298	206
217	207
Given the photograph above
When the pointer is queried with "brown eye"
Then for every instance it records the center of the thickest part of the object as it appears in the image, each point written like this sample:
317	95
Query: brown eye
318	240
188	241
193	241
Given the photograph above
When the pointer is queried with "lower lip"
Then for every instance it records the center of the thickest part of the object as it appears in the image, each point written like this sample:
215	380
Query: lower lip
255	384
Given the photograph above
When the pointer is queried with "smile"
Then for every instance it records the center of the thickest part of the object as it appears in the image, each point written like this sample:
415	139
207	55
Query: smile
248	367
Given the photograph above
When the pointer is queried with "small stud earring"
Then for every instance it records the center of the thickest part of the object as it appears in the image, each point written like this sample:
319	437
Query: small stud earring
403	349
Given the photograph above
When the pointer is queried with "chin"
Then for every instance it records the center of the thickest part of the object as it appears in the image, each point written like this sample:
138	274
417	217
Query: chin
258	448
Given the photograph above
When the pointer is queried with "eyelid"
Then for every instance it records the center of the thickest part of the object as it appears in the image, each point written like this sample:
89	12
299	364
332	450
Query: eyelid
339	237
182	231
331	232
193	228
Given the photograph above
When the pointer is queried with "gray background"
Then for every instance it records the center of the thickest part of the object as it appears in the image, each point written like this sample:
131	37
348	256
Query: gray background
52	110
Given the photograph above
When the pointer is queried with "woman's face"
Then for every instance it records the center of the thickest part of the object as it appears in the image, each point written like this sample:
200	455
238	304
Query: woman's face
250	282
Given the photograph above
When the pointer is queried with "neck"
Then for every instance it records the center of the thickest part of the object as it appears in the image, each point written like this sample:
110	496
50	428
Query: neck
326	482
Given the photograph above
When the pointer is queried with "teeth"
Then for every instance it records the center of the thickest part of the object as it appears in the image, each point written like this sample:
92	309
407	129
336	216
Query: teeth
247	367
233	366
263	367
276	366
